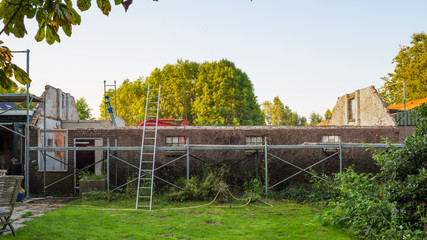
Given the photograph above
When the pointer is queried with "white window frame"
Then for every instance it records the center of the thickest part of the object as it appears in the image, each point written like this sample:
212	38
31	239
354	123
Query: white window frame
174	141
254	140
50	161
331	139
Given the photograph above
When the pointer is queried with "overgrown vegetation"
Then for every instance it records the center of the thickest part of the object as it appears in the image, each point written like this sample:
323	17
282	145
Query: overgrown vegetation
392	203
87	175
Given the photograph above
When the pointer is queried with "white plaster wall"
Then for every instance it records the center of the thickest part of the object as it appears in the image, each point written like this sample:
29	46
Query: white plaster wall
59	105
370	110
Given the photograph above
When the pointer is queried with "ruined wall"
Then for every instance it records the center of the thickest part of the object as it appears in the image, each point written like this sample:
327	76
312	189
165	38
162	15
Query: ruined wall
369	110
243	170
59	105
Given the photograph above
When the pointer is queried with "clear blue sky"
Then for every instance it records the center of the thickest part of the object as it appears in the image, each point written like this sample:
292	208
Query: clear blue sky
306	52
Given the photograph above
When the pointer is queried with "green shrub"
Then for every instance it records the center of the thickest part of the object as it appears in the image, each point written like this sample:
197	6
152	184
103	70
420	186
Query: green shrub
391	204
254	189
200	188
305	193
86	175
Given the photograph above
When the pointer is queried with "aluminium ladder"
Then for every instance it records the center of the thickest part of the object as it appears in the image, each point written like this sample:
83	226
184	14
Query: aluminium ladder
144	196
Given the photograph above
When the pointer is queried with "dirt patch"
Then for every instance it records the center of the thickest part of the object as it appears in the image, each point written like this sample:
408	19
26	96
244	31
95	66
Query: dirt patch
26	211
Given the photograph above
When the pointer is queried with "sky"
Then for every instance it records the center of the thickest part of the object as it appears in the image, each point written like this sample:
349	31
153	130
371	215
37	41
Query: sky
307	52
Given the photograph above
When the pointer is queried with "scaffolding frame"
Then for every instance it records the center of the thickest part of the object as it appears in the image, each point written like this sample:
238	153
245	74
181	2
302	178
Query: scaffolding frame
195	147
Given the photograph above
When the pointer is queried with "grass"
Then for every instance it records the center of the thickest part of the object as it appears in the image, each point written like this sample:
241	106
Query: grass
118	220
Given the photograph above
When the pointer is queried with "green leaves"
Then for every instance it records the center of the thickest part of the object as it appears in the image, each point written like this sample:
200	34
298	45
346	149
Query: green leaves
105	6
411	66
20	75
5	82
83	5
40	33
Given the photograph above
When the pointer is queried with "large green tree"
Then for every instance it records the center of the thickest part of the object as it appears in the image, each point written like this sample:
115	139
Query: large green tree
51	16
411	66
83	109
315	118
211	93
277	114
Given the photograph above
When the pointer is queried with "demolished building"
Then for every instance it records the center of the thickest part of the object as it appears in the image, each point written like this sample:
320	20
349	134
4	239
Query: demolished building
96	145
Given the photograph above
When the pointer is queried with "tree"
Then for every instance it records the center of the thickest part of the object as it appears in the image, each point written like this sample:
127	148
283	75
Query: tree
411	66
211	93
315	118
83	109
51	15
277	114
328	114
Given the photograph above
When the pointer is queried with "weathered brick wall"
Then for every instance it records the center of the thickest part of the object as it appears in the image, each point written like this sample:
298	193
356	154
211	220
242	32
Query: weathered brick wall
131	136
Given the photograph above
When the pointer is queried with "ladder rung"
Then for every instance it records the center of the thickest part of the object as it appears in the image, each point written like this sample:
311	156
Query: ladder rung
145	178
147	161
150	138
153	102
144	196
150	109
146	170
145	187
143	206
148	153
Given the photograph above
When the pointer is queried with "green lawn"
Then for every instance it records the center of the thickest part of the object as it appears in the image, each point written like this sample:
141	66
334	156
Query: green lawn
118	220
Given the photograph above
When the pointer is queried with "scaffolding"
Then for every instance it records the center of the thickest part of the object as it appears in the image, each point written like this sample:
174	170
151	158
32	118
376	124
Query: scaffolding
188	148
21	99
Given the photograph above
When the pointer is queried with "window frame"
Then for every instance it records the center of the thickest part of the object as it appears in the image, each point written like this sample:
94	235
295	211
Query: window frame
52	153
253	140
175	141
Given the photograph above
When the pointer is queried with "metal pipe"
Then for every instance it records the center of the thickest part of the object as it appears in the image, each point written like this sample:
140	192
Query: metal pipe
108	164
321	161
117	164
176	159
16	132
188	158
340	154
27	133
404	105
161	179
266	166
130	164
44	143
217	147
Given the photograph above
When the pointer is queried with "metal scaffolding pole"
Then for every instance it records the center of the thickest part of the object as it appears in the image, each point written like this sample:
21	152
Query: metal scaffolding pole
266	166
44	143
108	164
340	155
27	133
188	158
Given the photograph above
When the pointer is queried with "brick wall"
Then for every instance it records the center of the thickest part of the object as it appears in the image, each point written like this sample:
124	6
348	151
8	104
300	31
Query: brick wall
131	136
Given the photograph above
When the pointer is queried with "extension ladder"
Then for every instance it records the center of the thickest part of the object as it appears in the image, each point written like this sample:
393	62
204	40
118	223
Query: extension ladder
144	196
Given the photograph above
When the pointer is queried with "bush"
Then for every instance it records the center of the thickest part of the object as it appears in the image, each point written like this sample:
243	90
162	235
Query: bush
200	188
254	189
305	193
391	204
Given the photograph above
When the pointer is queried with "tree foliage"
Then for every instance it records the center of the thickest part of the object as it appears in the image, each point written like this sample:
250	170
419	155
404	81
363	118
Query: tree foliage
51	16
211	93
411	66
315	118
390	204
83	109
277	114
